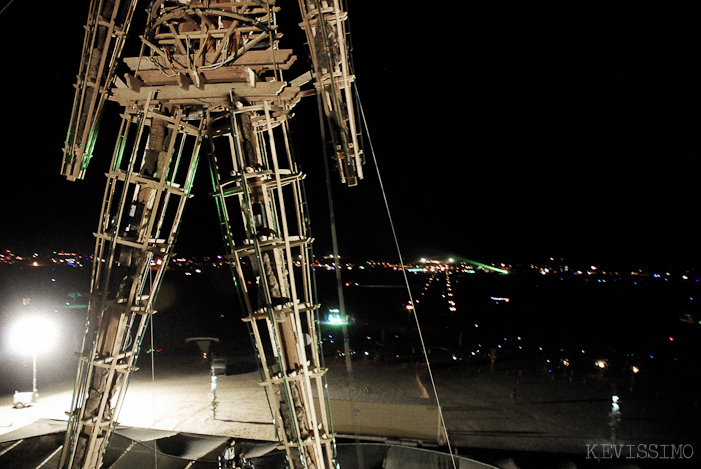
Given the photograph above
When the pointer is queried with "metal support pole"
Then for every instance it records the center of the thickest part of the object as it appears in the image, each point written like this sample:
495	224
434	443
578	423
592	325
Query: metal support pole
35	394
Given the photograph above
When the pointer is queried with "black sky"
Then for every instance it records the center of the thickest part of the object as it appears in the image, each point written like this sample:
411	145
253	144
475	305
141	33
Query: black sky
499	134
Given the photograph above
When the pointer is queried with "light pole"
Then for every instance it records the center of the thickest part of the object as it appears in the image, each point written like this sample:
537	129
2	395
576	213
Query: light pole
35	393
32	334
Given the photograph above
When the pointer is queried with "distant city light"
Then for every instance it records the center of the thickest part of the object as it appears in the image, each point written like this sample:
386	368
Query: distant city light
615	407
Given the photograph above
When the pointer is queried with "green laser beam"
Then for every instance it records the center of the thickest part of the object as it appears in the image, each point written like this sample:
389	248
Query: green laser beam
479	264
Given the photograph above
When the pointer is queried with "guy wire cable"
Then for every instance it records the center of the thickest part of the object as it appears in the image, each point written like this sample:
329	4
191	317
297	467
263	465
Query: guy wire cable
406	279
339	280
5	7
153	376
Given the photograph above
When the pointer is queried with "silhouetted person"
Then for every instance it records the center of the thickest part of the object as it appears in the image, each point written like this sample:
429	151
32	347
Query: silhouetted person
228	456
241	461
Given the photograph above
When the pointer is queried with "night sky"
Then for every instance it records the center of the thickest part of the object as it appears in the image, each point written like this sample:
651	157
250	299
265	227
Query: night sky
500	135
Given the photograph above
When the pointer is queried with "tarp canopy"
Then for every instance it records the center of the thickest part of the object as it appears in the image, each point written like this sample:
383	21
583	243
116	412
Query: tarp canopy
389	456
39	445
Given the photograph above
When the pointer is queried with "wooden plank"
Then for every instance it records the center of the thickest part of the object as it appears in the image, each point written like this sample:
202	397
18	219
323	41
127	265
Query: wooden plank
256	59
178	41
184	81
133	83
265	90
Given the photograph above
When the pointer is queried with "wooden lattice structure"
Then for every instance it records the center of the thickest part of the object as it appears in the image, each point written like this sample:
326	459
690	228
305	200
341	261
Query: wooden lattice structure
208	80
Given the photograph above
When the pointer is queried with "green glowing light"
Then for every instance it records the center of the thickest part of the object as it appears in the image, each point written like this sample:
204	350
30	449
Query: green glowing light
334	318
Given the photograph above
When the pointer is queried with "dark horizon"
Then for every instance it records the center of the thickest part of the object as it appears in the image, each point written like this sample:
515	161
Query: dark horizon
555	141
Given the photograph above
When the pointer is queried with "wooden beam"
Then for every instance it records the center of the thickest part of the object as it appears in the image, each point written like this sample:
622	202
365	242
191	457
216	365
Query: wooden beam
133	83
184	81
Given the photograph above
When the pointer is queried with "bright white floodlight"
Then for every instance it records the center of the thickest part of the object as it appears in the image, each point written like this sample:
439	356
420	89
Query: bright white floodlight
33	335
